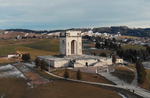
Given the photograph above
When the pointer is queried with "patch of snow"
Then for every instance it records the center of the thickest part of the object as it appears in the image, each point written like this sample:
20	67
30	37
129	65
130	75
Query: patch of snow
30	65
3	95
11	71
26	34
146	65
125	61
6	32
93	48
29	84
123	96
6	67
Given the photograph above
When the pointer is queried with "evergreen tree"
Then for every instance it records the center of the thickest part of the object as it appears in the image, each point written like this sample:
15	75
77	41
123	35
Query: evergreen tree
141	73
97	45
103	54
43	65
116	47
113	58
22	57
94	54
119	46
114	40
106	42
29	56
66	74
111	46
26	57
78	74
38	62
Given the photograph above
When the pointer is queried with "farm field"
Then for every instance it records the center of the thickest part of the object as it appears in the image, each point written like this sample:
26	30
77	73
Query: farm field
34	47
137	47
128	37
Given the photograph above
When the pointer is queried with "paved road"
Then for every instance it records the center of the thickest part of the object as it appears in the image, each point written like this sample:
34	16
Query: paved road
131	87
120	83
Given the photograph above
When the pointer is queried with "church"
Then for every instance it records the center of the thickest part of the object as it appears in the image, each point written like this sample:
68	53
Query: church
71	53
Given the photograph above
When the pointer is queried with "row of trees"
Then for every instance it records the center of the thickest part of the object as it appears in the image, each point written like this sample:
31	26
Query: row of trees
113	58
78	76
103	54
147	49
130	54
42	64
26	57
106	45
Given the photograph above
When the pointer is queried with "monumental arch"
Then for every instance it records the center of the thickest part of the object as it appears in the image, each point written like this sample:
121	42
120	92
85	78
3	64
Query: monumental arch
71	43
71	53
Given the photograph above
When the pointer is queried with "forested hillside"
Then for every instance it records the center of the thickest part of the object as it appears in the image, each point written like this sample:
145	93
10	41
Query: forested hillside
124	30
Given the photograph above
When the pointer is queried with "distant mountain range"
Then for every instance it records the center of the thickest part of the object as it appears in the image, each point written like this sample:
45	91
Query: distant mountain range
124	30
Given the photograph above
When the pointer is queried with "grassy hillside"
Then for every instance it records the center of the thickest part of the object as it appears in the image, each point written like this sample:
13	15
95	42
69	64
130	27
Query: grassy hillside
7	49
129	37
32	46
137	47
54	89
45	45
123	74
85	76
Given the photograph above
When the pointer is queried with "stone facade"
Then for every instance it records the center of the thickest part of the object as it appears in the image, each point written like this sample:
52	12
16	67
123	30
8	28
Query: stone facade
71	43
71	53
80	61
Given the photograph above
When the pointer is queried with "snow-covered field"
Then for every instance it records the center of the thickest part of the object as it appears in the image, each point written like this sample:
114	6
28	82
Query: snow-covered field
30	65
10	71
146	65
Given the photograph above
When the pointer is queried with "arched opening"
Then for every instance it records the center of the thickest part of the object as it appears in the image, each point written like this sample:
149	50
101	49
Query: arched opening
73	47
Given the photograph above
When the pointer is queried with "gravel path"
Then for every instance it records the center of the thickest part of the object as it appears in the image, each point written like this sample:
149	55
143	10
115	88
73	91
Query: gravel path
33	77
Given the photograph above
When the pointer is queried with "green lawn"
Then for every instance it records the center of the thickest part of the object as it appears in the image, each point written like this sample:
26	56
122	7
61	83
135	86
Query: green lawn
7	49
131	66
124	74
45	45
48	45
137	47
43	73
85	76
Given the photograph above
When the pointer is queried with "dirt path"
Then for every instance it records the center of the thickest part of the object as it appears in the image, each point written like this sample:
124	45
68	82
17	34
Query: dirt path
34	78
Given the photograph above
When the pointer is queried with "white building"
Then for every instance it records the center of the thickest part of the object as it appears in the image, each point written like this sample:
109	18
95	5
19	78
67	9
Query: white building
119	60
13	55
71	53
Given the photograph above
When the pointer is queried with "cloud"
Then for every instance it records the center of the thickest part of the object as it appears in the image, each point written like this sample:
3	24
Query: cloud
61	14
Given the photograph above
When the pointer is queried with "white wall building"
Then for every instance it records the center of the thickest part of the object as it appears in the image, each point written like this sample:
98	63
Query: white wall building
119	60
13	55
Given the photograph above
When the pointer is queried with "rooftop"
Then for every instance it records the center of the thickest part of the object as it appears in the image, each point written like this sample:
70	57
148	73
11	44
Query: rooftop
77	57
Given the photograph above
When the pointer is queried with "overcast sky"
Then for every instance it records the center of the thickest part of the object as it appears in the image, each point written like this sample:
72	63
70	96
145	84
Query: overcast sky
65	14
